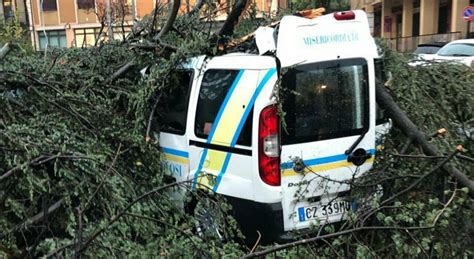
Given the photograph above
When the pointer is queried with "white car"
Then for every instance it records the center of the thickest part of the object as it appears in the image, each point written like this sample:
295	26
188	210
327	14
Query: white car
460	51
427	51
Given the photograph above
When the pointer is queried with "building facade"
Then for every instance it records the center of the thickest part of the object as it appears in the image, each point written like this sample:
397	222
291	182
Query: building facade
407	23
79	23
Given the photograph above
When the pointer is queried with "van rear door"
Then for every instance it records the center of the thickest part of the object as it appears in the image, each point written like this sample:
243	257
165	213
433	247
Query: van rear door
222	153
328	140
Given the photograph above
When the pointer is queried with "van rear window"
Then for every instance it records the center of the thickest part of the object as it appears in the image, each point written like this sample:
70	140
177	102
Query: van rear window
214	87
325	100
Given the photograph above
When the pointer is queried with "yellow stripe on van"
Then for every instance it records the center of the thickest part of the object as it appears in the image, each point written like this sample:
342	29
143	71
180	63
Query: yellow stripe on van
214	160
235	109
323	167
177	159
225	130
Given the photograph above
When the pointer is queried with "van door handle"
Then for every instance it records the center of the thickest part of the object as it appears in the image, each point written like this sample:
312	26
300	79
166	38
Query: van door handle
358	157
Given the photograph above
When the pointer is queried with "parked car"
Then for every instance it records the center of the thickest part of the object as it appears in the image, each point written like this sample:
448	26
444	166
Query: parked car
428	50
460	51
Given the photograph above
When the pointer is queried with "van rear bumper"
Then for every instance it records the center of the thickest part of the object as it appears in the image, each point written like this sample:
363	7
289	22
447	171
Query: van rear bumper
267	218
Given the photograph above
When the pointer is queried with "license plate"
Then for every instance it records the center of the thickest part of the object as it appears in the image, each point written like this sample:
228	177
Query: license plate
323	211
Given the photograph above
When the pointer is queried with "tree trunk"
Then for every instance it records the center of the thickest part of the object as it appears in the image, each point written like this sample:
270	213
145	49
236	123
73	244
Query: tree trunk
385	100
232	19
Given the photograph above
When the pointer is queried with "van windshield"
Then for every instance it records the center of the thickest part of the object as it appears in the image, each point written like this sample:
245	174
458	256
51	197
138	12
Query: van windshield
325	100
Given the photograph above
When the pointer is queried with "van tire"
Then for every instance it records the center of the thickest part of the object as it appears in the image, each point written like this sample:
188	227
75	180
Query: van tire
208	216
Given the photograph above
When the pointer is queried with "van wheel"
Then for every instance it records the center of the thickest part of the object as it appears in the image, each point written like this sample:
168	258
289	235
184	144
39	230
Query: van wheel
209	218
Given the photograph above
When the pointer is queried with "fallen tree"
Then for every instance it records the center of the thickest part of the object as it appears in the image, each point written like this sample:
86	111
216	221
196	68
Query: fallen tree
77	177
386	102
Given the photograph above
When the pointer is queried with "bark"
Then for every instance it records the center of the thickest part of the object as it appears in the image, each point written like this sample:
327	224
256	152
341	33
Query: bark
36	218
122	70
171	18
232	19
385	100
199	4
40	216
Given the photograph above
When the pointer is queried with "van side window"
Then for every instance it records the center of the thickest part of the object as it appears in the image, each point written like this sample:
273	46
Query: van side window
174	103
214	88
380	78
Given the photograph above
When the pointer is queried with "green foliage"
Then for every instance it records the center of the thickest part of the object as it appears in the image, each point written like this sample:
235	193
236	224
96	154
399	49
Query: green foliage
13	32
330	5
71	134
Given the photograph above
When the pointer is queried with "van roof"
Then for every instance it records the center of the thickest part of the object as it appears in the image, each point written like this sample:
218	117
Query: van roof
327	37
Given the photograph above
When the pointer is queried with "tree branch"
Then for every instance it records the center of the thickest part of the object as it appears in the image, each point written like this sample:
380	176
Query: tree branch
102	181
40	160
233	18
122	70
40	216
385	100
197	7
340	233
36	218
124	211
4	51
170	20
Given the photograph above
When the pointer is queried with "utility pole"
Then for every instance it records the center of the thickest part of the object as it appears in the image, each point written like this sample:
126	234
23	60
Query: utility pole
109	21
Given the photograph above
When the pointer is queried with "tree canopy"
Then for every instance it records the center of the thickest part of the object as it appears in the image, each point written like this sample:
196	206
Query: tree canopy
80	172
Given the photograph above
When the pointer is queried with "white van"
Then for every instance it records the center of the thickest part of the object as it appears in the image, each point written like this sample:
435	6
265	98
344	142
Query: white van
281	152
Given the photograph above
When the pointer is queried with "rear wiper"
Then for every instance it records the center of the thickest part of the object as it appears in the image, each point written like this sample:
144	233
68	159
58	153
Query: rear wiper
354	145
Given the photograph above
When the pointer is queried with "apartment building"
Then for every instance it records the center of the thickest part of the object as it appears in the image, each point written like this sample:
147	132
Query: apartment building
77	23
407	23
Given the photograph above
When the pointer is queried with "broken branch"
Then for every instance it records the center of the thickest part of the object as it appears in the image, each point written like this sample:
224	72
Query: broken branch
385	100
4	51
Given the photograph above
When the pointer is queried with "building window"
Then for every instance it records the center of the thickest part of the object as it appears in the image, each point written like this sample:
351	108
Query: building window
8	10
86	37
49	5
85	4
120	33
52	39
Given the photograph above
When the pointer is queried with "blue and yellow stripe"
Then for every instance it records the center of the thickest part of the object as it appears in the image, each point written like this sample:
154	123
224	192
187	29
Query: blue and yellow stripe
321	164
175	155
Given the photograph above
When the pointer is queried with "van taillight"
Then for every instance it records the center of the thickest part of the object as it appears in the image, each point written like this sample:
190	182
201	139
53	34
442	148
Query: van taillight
269	146
346	15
